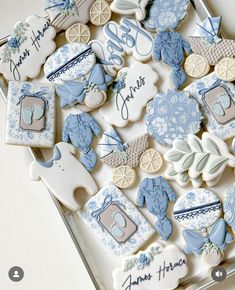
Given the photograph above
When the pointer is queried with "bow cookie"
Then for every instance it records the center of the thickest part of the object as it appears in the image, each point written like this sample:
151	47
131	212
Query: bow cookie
208	246
91	92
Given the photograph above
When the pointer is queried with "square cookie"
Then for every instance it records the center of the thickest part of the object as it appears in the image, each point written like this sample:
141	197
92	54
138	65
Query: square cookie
30	117
217	101
116	221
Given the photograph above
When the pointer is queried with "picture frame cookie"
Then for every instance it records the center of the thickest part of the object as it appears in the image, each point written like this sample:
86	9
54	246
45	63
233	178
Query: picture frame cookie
201	280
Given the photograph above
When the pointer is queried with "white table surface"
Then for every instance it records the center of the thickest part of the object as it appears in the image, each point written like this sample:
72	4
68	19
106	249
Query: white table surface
33	235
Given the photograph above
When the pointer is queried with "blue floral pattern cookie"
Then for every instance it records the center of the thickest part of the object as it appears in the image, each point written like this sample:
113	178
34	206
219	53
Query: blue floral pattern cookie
163	15
172	115
229	207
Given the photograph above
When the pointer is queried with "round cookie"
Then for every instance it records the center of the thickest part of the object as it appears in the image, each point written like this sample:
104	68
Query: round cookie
123	176
225	69
69	62
78	33
196	66
100	13
150	161
197	209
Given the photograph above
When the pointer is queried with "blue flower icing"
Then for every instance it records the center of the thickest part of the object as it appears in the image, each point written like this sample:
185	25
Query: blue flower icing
80	130
229	207
172	115
163	15
170	48
157	193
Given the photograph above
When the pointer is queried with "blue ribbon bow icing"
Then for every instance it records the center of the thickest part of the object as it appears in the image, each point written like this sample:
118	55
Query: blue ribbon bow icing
73	92
218	237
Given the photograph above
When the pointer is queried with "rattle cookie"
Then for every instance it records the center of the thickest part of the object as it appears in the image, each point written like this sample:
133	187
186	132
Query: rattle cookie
123	157
156	193
171	115
199	210
63	174
79	130
30	118
157	267
198	160
116	221
27	48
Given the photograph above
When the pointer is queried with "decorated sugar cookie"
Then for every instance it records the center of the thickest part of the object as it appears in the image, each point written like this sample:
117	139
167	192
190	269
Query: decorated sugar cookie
210	49
124	38
156	193
100	13
150	161
69	62
116	221
217	103
171	115
91	92
157	267
127	7
165	15
64	166
198	210
79	130
64	13
229	207
123	176
170	47
30	119
78	32
198	160
131	91
27	49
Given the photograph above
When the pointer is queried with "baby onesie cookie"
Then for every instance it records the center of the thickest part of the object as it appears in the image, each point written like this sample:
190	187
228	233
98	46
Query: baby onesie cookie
63	174
30	117
116	221
69	62
157	267
229	207
91	92
27	49
165	15
157	193
80	130
130	7
172	115
198	160
127	37
198	210
217	103
131	91
64	13
170	47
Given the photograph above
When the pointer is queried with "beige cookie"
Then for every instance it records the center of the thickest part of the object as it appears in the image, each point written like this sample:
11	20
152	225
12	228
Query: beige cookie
78	33
225	69
123	176
150	161
100	13
196	66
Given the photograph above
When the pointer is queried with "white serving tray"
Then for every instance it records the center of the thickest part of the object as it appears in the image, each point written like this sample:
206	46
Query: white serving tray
89	248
